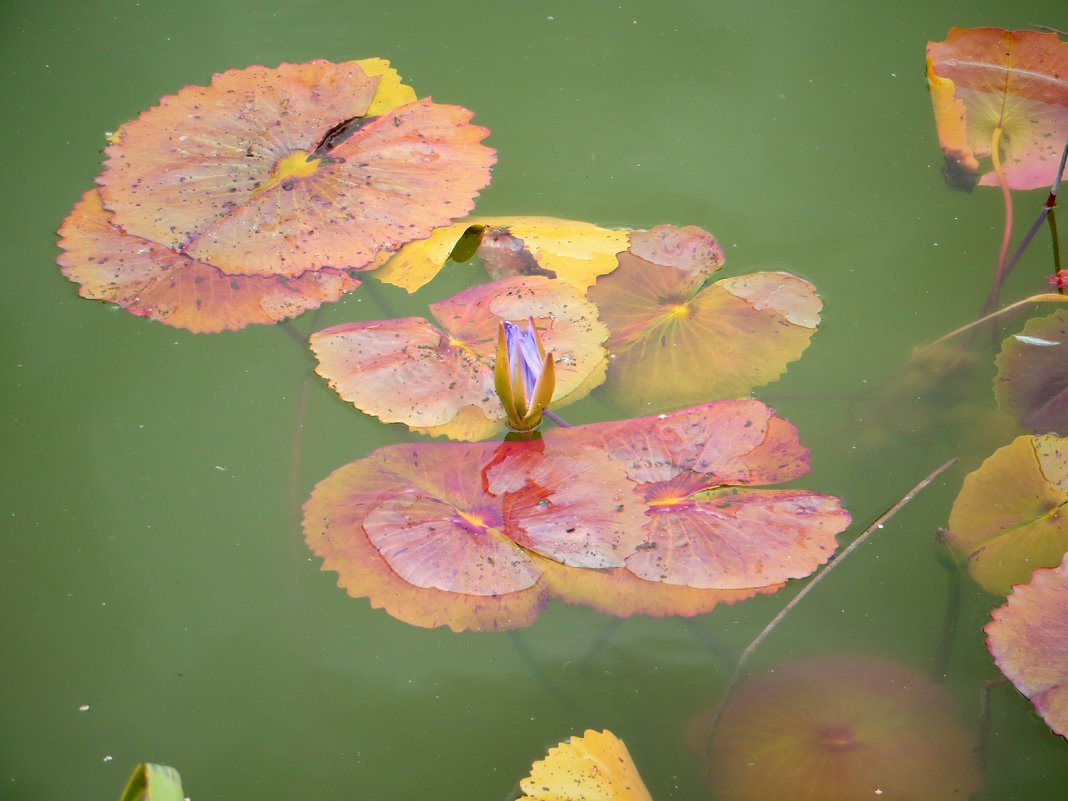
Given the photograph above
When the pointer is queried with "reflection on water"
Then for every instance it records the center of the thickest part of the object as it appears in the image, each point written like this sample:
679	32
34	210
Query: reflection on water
177	602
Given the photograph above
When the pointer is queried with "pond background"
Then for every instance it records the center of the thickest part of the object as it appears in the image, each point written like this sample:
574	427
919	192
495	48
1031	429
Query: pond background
153	567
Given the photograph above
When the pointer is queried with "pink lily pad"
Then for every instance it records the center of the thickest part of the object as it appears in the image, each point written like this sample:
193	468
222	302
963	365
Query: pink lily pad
152	281
441	379
707	526
1028	639
675	340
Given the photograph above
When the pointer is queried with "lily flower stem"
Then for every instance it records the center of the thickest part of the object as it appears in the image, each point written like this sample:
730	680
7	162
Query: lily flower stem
556	418
1006	235
1046	213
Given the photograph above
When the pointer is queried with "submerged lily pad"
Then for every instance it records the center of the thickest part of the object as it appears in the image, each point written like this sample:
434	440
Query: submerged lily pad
575	252
1028	638
993	88
1032	379
594	767
440	381
838	729
677	340
1009	517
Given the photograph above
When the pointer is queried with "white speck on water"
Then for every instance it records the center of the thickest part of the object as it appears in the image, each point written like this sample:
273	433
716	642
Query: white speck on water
108	758
220	467
83	708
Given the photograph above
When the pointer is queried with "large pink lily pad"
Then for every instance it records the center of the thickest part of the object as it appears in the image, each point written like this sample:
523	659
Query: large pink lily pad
431	532
630	518
707	525
1009	517
240	173
675	340
1032	379
152	281
440	380
1004	90
297	175
1028	637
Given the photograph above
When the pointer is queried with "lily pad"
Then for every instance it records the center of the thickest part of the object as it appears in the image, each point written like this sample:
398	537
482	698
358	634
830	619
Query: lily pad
573	251
278	171
1029	640
677	340
152	281
480	535
842	728
440	381
1032	379
296	175
993	88
707	526
1009	517
457	533
594	767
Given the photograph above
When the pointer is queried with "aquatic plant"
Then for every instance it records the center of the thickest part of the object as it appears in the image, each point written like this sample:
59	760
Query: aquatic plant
481	535
595	767
1001	95
523	375
1029	641
840	728
265	193
1032	378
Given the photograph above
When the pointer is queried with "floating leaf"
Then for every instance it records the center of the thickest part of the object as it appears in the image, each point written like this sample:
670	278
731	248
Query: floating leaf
441	380
706	527
1029	640
838	729
153	783
656	516
1032	380
1009	516
152	281
576	252
450	533
993	88
278	172
593	767
291	175
675	340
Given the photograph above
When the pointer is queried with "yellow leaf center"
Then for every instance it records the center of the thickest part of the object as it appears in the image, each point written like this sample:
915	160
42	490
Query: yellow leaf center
292	165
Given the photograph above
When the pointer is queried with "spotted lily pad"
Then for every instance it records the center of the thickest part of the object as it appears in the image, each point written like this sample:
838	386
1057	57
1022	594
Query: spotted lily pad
440	380
656	516
295	175
458	534
595	766
1032	379
1001	90
707	524
676	339
152	281
1029	640
576	252
1009	517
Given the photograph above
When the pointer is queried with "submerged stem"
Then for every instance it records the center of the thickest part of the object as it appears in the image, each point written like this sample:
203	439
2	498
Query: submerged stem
1006	235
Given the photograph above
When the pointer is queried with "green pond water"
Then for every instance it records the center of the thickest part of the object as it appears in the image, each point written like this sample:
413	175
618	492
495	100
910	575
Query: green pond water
159	602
